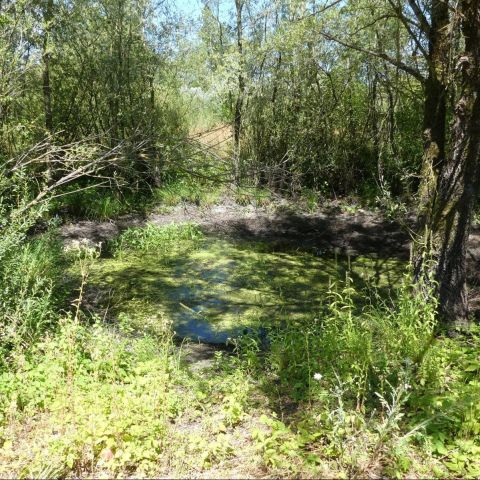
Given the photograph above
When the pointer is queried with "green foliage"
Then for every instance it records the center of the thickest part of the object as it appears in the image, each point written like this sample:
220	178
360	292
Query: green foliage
30	275
107	394
187	190
154	237
280	447
361	387
96	204
259	197
375	386
311	198
368	348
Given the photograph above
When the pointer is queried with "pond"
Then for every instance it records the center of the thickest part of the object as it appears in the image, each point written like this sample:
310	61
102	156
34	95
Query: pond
216	289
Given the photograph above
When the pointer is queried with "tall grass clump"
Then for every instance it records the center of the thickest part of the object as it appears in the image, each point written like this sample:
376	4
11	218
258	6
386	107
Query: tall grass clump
187	190
160	239
369	347
97	204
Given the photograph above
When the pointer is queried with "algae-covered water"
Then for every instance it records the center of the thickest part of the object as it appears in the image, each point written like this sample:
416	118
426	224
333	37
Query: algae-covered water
216	289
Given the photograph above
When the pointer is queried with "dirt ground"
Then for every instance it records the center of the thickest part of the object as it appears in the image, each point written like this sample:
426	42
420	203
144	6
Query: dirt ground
328	230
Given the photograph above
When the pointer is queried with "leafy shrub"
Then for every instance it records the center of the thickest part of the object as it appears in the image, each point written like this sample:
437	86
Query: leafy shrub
109	394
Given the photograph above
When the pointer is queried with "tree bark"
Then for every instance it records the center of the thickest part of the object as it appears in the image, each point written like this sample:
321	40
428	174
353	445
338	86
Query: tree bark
435	108
451	201
47	89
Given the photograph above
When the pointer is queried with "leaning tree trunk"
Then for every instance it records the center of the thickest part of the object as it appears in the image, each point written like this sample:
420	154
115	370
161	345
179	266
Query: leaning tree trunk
453	198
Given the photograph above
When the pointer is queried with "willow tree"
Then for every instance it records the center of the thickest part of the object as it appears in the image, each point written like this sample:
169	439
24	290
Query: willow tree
450	180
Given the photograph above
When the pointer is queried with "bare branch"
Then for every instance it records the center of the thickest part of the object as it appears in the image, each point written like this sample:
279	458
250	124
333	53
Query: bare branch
414	72
398	10
422	19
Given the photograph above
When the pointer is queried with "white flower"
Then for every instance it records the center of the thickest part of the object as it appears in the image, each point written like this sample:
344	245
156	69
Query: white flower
407	386
317	376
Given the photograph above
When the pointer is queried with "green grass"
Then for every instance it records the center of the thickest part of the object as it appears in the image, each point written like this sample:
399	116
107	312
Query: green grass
259	197
187	190
154	238
31	291
99	204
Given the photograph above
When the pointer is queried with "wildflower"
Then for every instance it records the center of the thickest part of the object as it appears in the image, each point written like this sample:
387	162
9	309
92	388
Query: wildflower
407	386
317	376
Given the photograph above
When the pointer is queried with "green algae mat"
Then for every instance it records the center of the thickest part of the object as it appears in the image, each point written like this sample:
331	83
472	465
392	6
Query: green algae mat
212	289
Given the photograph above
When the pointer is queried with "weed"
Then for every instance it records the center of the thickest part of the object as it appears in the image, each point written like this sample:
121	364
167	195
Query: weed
97	204
310	198
30	294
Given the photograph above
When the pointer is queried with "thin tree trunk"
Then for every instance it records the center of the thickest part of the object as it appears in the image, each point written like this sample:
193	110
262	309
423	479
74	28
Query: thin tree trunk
47	89
241	89
46	56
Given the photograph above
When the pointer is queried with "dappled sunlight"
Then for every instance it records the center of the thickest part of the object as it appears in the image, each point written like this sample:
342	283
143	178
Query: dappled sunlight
220	288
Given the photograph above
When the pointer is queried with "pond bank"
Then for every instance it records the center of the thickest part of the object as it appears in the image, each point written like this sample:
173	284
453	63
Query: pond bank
329	229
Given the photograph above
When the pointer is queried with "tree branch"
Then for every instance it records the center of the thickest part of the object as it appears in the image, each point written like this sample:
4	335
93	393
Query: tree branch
405	22
422	19
414	72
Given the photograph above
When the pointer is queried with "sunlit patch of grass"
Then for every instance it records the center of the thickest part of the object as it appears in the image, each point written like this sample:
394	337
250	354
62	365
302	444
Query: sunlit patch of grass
154	238
187	190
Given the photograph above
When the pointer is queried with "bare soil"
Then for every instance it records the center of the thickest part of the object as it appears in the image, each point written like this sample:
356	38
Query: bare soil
362	233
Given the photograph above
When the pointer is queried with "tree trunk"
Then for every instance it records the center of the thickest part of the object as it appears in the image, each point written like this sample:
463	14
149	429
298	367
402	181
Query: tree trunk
451	201
47	90
434	134
435	108
241	89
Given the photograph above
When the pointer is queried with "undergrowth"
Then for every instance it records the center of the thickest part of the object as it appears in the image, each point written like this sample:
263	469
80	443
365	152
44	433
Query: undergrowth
98	203
154	237
187	190
31	293
375	391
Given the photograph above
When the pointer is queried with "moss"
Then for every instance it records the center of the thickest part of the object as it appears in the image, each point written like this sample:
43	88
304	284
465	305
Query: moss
219	288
